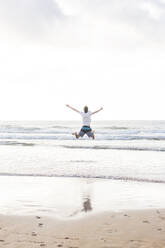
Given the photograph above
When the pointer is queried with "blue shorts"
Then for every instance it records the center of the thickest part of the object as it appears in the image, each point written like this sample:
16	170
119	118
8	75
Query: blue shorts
86	130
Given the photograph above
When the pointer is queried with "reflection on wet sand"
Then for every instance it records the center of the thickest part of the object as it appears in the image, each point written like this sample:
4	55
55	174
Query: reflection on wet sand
86	197
87	205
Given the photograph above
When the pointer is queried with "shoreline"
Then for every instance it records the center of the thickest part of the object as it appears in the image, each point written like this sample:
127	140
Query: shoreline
126	229
67	197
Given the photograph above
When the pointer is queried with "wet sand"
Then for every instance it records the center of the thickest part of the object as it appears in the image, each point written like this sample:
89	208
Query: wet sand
65	197
133	229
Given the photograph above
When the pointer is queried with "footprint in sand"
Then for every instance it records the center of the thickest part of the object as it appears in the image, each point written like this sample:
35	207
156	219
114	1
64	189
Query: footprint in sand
134	240
73	247
34	234
38	217
146	221
40	224
42	244
126	215
136	243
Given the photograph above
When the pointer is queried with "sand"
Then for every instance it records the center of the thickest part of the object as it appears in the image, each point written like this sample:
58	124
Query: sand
133	229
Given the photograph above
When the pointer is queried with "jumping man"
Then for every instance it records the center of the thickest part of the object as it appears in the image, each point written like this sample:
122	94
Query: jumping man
86	119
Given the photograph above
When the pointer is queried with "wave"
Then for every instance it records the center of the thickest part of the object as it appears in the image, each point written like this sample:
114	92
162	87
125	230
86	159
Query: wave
34	131
137	137
18	129
112	131
35	137
125	148
68	136
120	178
84	147
60	127
82	161
16	143
115	128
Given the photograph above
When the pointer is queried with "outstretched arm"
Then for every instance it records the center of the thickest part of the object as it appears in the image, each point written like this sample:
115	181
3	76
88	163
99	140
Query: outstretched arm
97	111
72	108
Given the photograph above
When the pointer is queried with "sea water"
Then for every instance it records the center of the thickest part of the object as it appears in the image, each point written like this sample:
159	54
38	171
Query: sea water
43	168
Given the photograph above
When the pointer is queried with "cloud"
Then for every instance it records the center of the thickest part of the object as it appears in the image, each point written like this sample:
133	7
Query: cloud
82	23
29	16
50	48
119	21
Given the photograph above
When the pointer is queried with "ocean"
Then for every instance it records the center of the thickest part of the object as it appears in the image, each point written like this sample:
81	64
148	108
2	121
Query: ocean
127	158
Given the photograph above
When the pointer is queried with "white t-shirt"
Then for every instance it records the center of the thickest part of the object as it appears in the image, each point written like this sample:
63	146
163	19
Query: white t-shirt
86	118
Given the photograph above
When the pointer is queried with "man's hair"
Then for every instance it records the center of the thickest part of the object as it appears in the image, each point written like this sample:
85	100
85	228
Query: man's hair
86	109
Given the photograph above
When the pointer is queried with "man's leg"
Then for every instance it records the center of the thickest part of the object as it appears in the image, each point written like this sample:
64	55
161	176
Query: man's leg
80	134
76	135
93	136
90	134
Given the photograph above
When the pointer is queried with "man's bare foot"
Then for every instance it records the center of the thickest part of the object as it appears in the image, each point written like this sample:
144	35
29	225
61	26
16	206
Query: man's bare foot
93	136
76	135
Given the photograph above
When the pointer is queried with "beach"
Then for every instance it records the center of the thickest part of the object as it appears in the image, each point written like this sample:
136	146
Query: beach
80	213
143	228
57	191
82	124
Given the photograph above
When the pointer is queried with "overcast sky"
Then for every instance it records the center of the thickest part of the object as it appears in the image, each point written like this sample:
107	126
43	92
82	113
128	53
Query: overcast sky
100	53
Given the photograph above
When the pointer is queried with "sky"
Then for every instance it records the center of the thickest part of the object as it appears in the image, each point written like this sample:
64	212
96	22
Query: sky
99	53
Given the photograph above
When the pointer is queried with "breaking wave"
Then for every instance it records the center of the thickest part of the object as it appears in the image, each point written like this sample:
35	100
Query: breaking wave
126	148
68	136
121	178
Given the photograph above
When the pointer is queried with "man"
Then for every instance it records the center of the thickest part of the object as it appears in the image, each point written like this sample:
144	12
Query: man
86	119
